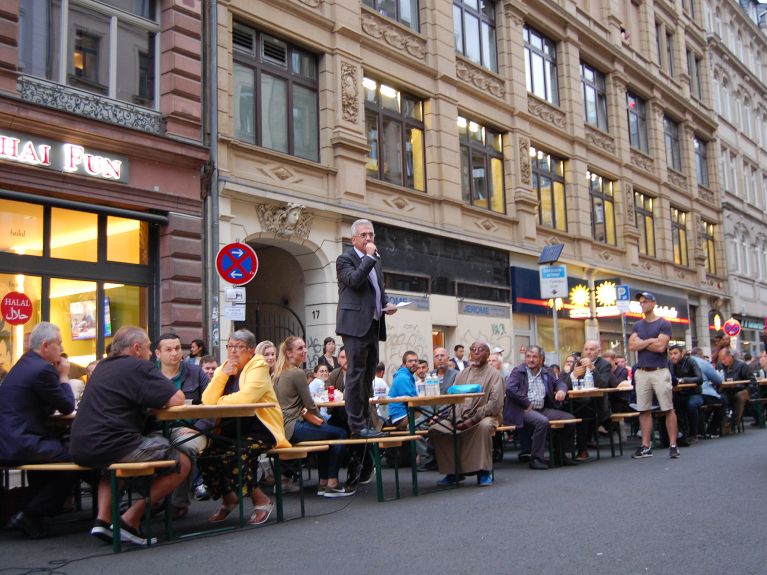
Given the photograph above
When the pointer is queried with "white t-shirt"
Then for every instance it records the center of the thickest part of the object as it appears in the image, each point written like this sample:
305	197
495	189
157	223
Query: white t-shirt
381	389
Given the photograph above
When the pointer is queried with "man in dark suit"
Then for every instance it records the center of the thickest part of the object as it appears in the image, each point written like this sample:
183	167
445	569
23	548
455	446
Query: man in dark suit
362	304
532	392
34	388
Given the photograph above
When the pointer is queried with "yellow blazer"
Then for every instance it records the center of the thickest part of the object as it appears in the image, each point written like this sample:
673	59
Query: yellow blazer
255	387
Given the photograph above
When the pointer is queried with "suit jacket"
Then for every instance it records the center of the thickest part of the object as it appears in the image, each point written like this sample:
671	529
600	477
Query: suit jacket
602	372
516	393
356	295
30	393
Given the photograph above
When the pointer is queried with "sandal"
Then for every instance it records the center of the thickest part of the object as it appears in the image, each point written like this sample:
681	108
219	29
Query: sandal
222	513
265	508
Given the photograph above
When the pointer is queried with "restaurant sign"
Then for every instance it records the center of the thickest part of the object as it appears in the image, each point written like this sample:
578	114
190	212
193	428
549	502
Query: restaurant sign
62	157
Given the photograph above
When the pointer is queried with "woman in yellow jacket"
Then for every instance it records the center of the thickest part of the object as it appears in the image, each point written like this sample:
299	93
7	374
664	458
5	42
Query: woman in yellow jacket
242	378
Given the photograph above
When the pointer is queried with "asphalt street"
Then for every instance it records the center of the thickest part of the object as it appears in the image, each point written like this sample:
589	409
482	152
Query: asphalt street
699	514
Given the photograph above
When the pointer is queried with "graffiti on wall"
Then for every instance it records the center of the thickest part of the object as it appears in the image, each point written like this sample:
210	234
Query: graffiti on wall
407	338
496	337
313	351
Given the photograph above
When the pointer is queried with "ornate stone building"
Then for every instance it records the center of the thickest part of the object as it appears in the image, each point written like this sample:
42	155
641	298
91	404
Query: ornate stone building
737	49
473	134
101	158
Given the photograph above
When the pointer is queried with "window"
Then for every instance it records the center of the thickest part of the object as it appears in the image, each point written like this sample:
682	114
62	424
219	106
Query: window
481	166
671	134
594	97
637	122
602	208
107	48
709	236
403	11
716	95
726	105
275	94
659	43
746	114
541	66
679	236
474	30
643	206
549	182
670	53
394	124
694	64
701	160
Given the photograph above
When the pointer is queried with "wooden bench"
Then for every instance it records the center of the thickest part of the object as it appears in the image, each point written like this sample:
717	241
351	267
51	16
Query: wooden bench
758	402
557	424
376	444
116	471
295	453
616	419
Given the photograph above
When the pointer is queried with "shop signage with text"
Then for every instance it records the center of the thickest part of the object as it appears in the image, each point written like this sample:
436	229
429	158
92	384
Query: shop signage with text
62	157
16	308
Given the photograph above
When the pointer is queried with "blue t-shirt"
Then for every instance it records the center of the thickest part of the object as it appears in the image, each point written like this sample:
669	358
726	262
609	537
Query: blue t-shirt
649	330
403	384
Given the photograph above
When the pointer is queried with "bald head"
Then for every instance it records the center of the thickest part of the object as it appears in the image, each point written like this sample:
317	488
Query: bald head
440	359
591	349
479	353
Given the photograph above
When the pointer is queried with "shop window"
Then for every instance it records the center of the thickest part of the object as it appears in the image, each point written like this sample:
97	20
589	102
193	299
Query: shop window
21	228
403	11
549	182
406	282
483	292
481	166
74	235
74	309
394	125
124	305
275	94
111	46
474	31
13	338
127	240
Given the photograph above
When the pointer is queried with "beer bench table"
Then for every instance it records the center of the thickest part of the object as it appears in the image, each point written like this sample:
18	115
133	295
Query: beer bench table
595	394
295	453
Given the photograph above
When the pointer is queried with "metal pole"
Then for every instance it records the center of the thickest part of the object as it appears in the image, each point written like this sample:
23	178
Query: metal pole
623	332
556	332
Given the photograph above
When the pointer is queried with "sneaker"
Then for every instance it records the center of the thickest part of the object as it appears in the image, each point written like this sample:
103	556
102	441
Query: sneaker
288	487
641	452
582	455
102	530
449	480
338	491
201	493
130	535
673	452
321	491
366	475
485	478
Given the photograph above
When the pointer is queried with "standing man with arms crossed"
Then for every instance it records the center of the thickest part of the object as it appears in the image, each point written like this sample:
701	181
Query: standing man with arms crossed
360	322
649	339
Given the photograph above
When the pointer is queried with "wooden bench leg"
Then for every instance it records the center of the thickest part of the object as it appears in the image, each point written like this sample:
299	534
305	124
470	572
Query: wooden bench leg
377	466
278	487
114	487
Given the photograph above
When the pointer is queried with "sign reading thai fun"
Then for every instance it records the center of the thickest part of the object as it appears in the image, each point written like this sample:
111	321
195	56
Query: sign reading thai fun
62	157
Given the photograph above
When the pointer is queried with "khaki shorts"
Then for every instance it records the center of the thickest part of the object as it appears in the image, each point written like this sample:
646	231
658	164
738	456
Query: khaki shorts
658	381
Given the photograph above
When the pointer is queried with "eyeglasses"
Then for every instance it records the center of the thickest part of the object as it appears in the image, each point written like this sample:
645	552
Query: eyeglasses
370	235
476	349
236	347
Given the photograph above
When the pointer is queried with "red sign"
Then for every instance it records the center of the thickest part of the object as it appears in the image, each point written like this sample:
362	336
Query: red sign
237	263
16	308
732	327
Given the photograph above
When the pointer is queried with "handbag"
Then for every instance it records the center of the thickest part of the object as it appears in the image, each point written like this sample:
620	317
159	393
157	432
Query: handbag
466	388
311	418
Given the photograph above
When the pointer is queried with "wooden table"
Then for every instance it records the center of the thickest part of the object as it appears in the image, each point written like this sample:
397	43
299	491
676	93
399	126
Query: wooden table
683	386
184	413
596	393
421	403
734	384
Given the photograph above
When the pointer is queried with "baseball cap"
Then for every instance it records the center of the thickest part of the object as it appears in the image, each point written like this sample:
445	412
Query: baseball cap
497	350
646	295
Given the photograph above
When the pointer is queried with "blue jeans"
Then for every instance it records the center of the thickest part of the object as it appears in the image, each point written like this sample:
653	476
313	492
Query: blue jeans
687	406
327	461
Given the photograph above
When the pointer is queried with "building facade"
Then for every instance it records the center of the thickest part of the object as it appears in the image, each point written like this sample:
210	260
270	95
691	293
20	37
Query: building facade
101	158
737	49
473	134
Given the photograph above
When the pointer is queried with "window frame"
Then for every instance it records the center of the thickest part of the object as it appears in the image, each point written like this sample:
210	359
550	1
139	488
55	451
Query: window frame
709	235
673	145
640	113
375	5
258	64
602	189
599	88
548	56
645	218
489	153
679	243
460	10
557	176
382	113
700	147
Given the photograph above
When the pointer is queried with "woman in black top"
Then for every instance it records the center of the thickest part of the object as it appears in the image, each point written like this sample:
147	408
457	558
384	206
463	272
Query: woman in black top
327	357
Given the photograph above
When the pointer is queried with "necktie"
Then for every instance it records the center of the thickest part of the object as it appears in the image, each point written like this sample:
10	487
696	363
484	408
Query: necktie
374	281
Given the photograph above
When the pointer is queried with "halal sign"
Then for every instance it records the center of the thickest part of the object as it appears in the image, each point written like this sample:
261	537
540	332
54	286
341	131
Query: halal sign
16	308
732	327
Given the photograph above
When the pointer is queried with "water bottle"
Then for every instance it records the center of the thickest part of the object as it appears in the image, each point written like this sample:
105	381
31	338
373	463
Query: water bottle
588	380
420	387
321	391
432	384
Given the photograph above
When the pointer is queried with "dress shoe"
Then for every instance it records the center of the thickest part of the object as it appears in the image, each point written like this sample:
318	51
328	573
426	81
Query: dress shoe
582	455
428	467
568	462
368	433
524	457
29	525
536	463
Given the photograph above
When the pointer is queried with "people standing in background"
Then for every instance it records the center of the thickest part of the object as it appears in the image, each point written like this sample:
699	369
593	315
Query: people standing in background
457	358
208	364
196	351
269	351
381	389
421	371
327	358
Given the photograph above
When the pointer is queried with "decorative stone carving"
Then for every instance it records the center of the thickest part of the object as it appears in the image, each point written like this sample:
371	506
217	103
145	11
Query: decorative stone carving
88	105
289	220
479	78
677	179
546	112
524	161
706	195
394	36
658	110
648	266
600	139
642	161
486	225
630	208
399	203
620	86
350	101
605	255
281	173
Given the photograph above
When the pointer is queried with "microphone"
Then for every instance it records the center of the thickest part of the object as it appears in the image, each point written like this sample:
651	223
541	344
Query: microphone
377	255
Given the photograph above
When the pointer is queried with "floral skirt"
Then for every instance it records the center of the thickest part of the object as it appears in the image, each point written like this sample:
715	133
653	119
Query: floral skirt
218	465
